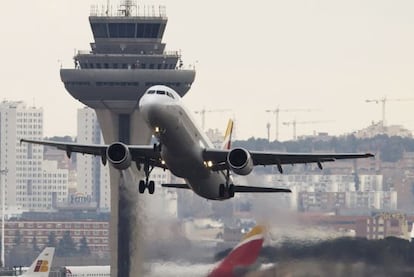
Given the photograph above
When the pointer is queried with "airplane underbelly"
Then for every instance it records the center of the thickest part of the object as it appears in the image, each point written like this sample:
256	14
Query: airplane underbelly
208	187
185	166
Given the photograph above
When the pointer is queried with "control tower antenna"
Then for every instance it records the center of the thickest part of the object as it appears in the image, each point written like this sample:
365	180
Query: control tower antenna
127	7
107	7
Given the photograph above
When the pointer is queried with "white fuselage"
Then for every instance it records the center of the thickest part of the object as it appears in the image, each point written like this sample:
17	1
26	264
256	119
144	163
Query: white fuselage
182	142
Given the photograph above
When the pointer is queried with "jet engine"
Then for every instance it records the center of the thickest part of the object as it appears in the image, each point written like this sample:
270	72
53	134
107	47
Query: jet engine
240	161
118	155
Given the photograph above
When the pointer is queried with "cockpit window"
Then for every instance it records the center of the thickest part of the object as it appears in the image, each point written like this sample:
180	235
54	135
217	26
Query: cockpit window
170	94
161	92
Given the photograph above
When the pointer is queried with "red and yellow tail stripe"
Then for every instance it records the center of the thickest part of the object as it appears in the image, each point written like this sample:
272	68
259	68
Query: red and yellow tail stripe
227	136
243	255
41	266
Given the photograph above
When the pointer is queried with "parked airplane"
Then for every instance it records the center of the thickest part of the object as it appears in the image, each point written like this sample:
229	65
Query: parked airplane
242	256
41	266
187	152
235	263
84	271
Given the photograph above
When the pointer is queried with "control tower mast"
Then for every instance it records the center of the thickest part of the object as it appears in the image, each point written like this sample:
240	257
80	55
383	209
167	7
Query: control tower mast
126	58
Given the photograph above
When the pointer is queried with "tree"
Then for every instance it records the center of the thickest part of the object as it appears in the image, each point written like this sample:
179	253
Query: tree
34	244
66	246
17	238
51	240
84	247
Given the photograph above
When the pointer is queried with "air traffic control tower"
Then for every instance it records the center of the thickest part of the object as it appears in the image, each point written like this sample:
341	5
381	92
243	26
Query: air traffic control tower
127	57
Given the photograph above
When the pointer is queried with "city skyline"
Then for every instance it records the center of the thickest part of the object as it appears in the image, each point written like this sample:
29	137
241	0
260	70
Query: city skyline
320	55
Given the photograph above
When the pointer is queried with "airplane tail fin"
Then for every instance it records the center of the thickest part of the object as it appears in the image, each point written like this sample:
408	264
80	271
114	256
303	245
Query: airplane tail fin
227	136
243	255
41	266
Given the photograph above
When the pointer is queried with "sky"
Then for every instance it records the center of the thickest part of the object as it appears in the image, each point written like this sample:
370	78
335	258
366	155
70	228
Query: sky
325	56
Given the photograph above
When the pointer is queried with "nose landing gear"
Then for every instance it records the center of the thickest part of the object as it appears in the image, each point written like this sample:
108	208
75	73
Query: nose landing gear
226	190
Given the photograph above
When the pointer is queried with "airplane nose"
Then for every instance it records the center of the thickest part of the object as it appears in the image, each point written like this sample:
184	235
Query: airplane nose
147	105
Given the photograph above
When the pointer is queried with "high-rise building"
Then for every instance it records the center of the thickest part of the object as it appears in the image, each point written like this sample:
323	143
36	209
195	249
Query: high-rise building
92	175
29	183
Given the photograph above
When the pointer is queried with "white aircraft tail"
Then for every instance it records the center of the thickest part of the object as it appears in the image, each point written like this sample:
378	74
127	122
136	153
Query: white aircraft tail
227	136
41	266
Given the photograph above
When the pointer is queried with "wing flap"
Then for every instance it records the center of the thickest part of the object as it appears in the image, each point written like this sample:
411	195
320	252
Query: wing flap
178	186
259	189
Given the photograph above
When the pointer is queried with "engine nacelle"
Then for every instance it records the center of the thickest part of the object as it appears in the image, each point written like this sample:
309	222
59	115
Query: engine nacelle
118	155
240	161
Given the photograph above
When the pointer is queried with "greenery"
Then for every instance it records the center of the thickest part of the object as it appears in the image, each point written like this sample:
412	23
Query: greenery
388	251
66	246
17	238
51	240
34	245
84	247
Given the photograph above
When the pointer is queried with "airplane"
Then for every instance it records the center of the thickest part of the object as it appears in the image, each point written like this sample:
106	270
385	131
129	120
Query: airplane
237	262
41	266
81	271
184	149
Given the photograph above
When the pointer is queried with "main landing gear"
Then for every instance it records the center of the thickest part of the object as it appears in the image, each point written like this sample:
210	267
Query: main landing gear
227	189
143	184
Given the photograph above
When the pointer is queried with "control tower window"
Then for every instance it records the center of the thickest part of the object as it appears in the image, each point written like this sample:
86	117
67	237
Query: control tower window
148	30
121	30
99	30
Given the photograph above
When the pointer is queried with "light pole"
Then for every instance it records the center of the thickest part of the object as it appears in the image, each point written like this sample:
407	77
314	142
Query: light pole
2	172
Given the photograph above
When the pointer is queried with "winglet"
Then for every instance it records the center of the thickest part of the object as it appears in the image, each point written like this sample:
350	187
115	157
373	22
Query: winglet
41	266
227	136
243	255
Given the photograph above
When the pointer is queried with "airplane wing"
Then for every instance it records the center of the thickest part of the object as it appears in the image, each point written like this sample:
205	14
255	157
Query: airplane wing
219	158
139	153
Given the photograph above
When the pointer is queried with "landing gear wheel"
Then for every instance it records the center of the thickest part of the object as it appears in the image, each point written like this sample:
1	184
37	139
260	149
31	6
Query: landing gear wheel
221	190
141	186
151	187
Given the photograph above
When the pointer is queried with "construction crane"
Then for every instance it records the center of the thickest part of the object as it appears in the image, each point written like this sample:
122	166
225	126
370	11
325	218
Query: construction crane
276	113
203	114
294	123
383	101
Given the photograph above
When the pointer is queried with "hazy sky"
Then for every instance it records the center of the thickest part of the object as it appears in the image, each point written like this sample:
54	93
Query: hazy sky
250	56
